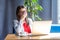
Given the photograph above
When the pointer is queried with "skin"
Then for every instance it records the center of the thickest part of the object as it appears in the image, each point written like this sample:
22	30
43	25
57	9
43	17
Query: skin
22	14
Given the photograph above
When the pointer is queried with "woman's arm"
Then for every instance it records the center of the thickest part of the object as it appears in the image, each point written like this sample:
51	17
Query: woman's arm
30	23
18	27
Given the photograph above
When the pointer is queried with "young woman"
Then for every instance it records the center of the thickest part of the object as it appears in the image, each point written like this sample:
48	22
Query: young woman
23	24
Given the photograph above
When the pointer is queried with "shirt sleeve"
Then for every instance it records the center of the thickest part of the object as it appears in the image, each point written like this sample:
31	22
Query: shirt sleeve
18	26
15	24
30	23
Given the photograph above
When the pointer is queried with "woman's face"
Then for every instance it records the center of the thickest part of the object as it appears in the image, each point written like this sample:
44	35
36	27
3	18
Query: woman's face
22	12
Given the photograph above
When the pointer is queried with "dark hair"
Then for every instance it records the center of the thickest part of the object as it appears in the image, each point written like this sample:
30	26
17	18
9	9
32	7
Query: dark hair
18	8
17	11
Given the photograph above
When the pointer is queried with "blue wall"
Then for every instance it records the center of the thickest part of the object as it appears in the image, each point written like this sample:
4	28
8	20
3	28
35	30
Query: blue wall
46	14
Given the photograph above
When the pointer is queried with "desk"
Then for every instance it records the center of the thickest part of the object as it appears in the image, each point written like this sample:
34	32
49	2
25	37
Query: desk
14	37
51	36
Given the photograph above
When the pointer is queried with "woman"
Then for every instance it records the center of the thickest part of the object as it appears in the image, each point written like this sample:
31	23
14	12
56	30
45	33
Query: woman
23	24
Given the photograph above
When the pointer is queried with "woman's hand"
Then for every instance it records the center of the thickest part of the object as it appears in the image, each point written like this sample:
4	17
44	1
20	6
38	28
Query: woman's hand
22	34
24	16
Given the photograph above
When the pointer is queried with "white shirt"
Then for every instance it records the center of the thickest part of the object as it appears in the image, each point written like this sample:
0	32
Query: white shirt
18	26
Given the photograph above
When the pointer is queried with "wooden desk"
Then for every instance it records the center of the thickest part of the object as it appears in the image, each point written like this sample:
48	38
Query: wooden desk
14	37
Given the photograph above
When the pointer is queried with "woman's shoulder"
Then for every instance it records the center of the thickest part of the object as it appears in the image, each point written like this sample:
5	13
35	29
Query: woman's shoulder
15	20
29	19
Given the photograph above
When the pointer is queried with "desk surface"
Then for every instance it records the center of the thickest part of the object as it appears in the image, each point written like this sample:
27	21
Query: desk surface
14	37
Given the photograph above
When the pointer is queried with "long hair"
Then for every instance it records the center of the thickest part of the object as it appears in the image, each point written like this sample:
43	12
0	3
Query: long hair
17	11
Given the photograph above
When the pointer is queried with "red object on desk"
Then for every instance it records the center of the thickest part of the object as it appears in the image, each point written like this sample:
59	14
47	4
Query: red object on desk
26	28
